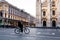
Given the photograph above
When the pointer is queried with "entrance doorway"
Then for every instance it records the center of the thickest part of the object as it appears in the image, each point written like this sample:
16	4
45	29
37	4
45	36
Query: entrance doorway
53	23
44	23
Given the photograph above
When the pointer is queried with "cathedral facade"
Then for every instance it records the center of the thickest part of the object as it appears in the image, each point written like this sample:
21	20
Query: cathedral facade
48	13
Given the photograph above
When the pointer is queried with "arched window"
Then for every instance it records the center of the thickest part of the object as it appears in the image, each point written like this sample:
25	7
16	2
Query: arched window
44	13
53	3
53	12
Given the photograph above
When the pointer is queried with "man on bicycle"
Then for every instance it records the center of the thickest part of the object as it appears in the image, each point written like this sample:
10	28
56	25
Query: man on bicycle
20	25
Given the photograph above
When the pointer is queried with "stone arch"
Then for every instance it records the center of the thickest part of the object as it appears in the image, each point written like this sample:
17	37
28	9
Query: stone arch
44	23
53	23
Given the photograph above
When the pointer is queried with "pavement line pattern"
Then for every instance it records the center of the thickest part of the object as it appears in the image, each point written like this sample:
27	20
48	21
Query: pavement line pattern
29	36
47	33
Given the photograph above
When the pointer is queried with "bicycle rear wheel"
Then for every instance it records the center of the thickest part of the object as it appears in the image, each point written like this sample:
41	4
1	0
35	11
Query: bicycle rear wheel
26	31
17	30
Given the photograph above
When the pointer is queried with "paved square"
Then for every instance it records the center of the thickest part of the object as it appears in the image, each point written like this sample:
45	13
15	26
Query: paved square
35	34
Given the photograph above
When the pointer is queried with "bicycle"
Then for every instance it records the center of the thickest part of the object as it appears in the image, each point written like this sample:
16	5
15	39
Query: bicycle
25	30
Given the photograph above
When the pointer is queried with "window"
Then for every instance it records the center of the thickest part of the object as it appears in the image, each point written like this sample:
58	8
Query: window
22	11
53	3
53	12
9	16
5	14
1	14
6	5
10	10
44	13
0	5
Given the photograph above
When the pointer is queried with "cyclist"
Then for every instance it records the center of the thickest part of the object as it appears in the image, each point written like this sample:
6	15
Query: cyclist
20	25
22	29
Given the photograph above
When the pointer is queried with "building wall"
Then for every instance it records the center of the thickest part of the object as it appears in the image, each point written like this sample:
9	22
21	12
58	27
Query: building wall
48	8
11	15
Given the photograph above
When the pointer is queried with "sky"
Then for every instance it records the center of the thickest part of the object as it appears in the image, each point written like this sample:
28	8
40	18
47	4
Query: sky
27	5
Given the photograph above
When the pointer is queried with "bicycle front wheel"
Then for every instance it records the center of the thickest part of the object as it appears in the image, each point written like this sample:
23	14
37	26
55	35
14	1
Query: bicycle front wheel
17	30
26	31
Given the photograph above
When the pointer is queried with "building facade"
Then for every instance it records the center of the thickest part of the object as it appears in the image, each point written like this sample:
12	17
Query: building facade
32	21
11	15
48	13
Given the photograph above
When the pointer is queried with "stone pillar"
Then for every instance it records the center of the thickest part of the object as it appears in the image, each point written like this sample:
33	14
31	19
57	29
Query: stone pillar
38	13
48	13
58	12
